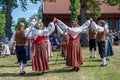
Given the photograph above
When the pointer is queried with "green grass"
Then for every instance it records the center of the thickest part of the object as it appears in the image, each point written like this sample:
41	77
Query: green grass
90	70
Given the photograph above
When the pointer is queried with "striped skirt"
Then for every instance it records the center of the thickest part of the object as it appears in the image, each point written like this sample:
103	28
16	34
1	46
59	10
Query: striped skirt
39	60
48	47
64	48
74	54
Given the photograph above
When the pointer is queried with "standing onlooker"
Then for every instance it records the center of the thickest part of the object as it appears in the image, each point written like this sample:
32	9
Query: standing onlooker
5	49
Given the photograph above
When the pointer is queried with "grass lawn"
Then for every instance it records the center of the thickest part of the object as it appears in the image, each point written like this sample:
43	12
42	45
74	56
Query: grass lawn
90	70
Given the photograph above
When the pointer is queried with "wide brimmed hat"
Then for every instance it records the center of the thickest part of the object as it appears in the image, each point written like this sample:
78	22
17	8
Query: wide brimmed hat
102	21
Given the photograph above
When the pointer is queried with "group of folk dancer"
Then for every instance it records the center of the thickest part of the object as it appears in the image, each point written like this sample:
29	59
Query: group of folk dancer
40	51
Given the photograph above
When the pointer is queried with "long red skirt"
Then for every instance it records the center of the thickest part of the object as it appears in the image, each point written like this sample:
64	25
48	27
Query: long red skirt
39	60
64	48
74	54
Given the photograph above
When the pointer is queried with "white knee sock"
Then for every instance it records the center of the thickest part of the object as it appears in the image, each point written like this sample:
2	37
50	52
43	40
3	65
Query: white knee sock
94	54
22	66
90	53
104	61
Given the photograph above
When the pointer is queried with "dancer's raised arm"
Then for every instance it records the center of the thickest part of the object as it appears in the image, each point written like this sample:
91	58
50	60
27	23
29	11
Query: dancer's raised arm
28	30
38	32
51	28
98	28
62	25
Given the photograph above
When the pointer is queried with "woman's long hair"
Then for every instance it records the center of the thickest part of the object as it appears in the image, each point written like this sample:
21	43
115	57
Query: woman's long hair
38	26
74	24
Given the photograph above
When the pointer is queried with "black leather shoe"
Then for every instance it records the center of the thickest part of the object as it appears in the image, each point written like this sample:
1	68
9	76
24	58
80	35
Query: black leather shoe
91	57
23	73
77	69
42	73
103	65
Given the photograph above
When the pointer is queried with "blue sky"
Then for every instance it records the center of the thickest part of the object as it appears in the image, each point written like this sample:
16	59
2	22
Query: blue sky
31	9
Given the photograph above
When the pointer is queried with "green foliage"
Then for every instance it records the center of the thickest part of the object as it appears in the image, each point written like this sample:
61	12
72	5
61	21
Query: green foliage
22	20
2	24
114	3
74	6
93	9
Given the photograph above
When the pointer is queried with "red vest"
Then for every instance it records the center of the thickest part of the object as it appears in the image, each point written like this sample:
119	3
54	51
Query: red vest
39	40
71	38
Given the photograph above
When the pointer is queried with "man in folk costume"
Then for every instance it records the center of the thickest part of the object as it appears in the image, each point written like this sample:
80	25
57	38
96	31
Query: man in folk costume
21	41
101	38
92	41
39	58
109	48
74	54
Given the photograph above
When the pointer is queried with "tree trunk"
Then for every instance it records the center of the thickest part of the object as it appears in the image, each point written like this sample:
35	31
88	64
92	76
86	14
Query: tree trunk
83	39
8	18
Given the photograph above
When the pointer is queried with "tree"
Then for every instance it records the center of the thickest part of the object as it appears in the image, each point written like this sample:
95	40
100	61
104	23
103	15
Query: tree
91	8
8	6
38	14
22	20
75	5
2	24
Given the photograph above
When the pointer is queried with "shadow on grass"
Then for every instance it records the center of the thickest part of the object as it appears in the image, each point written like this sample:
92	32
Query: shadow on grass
8	66
86	66
9	74
56	63
56	60
33	74
92	60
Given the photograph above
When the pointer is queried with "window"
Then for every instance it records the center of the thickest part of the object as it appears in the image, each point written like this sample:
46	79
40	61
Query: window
109	21
118	25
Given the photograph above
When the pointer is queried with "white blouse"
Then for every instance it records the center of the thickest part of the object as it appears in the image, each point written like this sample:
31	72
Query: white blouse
74	31
36	33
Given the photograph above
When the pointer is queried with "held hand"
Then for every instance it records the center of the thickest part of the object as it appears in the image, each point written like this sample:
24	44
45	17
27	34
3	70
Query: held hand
55	19
55	24
91	20
35	17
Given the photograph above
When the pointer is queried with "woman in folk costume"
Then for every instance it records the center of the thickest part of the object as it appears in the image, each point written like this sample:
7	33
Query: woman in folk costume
74	54
109	49
28	48
20	37
64	42
39	59
48	45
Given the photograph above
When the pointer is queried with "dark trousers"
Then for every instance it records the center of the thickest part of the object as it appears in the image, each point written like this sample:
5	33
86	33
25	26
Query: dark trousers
101	48
92	44
21	54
